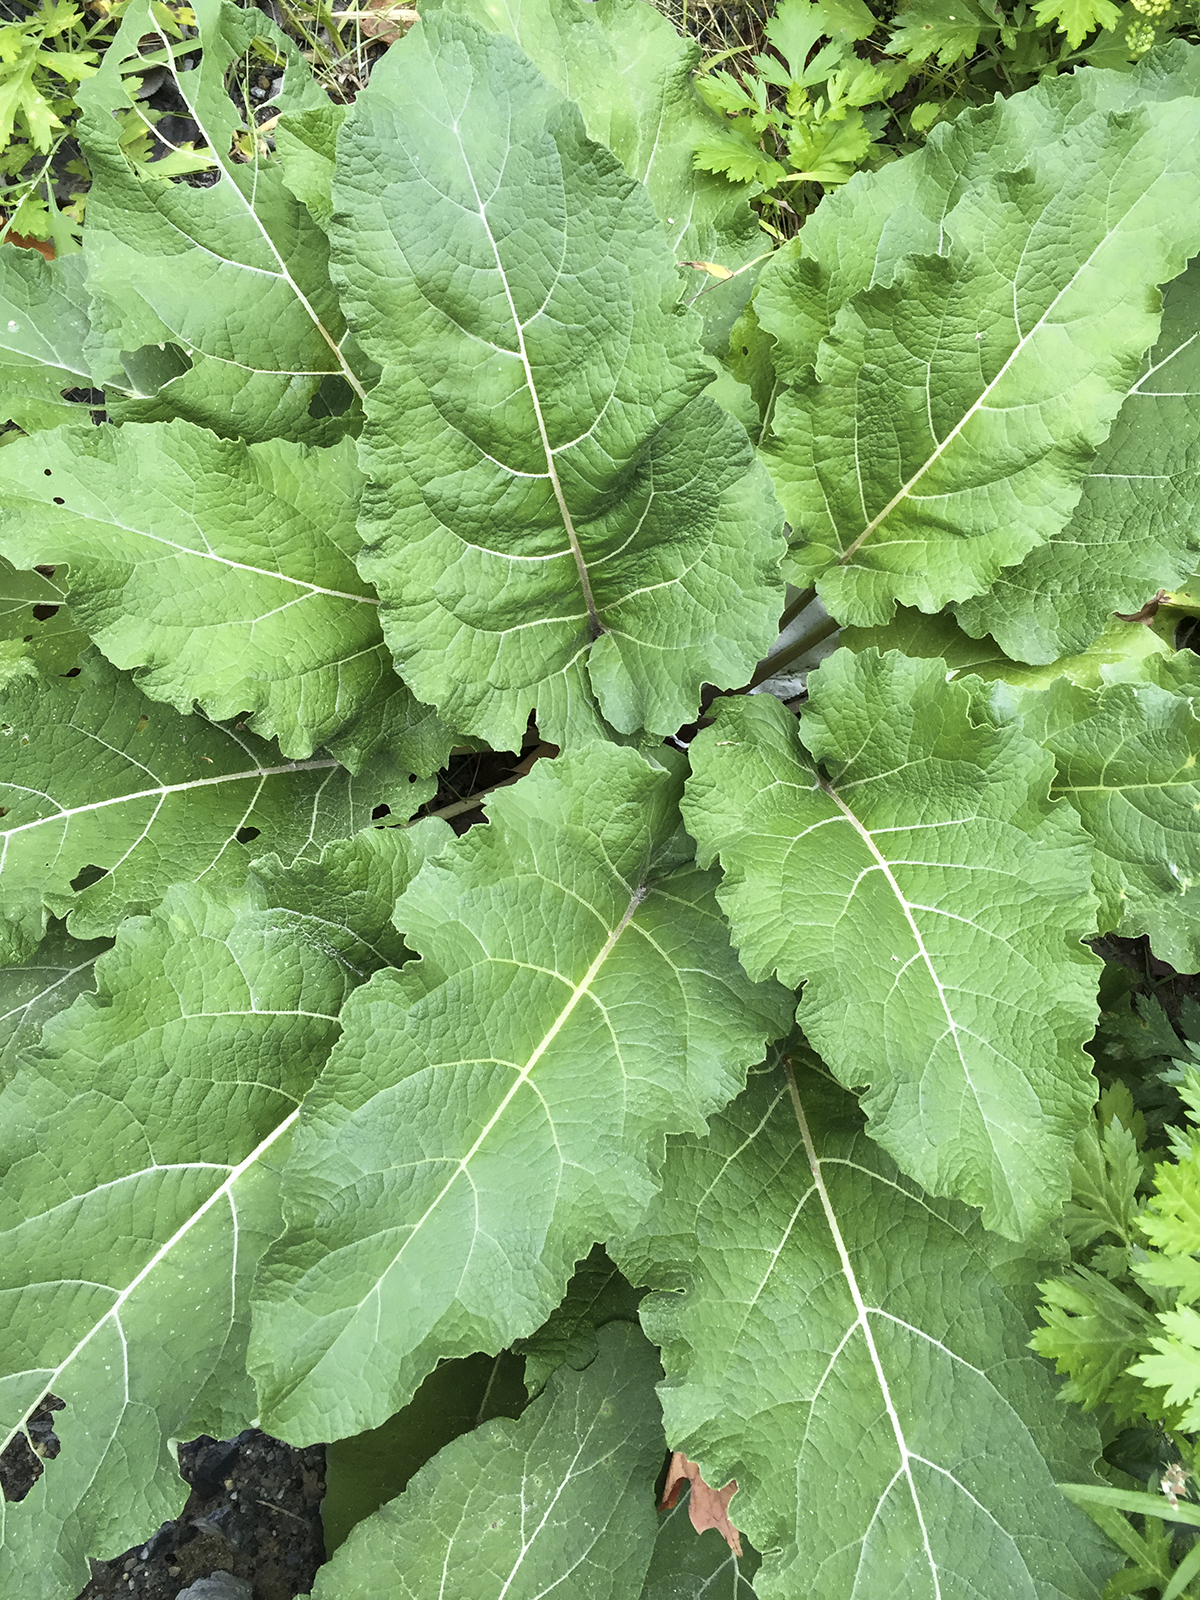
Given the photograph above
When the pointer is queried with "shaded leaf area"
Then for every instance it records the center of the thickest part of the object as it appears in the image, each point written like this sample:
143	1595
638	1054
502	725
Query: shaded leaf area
499	1105
826	1300
555	521
95	776
211	1020
232	277
1124	652
909	869
224	571
690	1566
597	1295
949	381
516	1509
631	75
37	632
34	990
43	328
366	1471
1134	530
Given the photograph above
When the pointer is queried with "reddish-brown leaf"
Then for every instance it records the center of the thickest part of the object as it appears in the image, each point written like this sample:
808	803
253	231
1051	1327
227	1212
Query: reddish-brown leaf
707	1507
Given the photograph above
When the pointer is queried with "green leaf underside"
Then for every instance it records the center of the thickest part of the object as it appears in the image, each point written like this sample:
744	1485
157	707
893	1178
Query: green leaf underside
828	1303
555	521
224	571
496	1107
92	774
1135	527
58	970
142	1151
560	1501
43	327
907	869
1127	762
235	274
950	374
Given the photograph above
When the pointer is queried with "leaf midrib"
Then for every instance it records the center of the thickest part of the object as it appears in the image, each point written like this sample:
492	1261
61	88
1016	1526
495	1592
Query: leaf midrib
596	626
862	1320
161	791
905	490
518	1083
347	371
113	1311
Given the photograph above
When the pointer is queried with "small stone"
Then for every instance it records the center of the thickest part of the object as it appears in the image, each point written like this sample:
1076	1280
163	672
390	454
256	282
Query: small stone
218	1586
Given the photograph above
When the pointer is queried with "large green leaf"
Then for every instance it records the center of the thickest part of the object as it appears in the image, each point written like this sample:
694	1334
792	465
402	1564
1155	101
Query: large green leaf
1127	758
906	867
632	76
31	993
556	521
861	234
225	571
43	329
561	1501
960	328
952	413
496	1107
142	1147
1136	528
93	775
234	276
854	1354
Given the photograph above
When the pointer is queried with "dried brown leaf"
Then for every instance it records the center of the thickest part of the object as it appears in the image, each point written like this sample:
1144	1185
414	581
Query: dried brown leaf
707	1507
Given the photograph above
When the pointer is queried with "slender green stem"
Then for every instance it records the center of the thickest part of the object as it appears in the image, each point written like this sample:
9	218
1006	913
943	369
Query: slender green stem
801	603
799	647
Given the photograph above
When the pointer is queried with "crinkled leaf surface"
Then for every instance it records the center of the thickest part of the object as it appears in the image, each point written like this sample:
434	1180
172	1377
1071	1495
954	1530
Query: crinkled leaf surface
235	275
224	571
907	868
499	1105
307	145
631	74
861	235
952	413
853	1352
1135	529
556	520
35	990
1127	761
561	1501
142	1148
43	327
92	774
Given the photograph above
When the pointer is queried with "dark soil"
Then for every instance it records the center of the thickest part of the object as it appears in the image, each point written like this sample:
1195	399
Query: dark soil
254	1510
